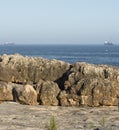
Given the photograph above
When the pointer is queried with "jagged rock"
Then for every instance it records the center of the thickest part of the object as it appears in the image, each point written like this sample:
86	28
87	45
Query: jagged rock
57	82
67	99
6	92
37	87
27	69
48	92
25	95
93	85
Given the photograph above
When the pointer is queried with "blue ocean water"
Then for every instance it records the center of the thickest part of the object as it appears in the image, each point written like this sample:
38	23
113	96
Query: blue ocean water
96	54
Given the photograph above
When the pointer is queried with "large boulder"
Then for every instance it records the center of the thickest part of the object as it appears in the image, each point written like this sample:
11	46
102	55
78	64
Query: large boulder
56	82
47	93
6	92
68	99
20	69
91	85
25	95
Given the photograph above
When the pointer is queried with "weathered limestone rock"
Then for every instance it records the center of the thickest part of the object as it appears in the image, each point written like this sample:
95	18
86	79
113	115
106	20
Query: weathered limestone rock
93	85
27	69
25	95
56	82
48	93
67	99
5	92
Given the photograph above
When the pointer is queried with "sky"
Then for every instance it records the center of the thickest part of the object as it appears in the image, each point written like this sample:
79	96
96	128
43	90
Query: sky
59	21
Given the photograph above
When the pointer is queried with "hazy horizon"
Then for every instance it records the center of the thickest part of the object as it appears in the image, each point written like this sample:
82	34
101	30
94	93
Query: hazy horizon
59	22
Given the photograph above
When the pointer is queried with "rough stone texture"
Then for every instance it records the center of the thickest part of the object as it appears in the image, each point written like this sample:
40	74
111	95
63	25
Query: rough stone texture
25	95
48	93
24	69
5	92
68	99
59	83
91	85
14	116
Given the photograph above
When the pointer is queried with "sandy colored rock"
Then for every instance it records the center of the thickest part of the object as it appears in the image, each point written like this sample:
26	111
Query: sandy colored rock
48	93
5	92
60	83
25	95
32	69
92	85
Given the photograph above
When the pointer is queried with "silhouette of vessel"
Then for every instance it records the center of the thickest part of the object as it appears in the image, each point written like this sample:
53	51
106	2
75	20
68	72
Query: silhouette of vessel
9	43
108	43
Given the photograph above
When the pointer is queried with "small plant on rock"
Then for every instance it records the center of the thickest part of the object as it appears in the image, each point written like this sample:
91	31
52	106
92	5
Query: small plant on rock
52	125
103	122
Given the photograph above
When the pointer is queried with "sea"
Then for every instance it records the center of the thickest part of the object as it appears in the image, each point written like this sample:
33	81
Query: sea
94	54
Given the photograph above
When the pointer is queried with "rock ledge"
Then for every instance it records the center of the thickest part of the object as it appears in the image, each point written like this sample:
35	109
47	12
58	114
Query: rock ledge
32	81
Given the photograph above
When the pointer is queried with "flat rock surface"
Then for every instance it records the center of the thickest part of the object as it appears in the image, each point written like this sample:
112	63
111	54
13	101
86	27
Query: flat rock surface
14	116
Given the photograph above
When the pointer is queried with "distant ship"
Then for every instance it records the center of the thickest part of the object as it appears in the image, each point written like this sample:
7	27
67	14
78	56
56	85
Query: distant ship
108	43
9	43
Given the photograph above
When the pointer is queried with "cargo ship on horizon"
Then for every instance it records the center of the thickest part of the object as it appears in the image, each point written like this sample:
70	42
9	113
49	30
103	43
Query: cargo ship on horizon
9	43
108	43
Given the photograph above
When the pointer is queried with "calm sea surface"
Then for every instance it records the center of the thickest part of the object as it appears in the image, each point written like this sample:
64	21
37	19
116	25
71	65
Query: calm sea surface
96	54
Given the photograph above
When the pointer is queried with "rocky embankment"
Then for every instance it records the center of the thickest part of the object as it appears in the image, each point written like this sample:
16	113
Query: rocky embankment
31	80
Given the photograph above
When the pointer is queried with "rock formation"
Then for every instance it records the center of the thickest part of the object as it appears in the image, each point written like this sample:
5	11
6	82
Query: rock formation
32	80
25	95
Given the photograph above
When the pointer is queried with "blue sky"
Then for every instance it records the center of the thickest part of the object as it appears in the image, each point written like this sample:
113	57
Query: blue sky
59	21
